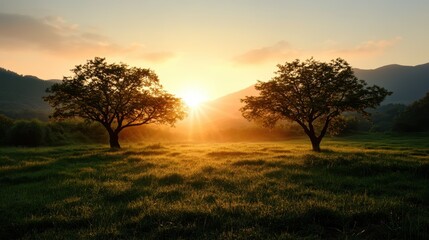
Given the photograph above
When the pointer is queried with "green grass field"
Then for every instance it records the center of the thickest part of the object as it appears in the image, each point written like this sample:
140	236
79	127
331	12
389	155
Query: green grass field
360	187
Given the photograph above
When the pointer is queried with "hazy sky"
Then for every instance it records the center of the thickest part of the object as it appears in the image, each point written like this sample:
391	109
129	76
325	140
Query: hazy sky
215	47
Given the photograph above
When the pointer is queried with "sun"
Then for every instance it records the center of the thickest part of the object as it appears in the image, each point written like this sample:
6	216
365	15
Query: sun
193	98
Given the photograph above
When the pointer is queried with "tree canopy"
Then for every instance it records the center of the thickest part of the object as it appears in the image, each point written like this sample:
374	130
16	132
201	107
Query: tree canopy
313	94
115	95
415	117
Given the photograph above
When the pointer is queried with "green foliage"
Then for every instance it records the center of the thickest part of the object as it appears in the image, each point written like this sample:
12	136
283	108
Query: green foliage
415	118
5	125
114	95
371	186
382	119
353	123
312	94
77	132
36	133
26	133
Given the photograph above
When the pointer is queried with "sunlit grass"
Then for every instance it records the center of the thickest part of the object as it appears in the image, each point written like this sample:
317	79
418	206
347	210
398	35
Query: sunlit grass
369	186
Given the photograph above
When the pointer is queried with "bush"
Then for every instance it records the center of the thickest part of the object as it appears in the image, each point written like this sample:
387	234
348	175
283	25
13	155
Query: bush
26	133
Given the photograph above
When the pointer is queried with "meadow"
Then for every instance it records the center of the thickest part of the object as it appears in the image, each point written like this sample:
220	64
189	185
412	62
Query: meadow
369	186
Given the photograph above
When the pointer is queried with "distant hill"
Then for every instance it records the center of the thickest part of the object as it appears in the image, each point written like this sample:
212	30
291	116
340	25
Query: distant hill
228	106
21	96
408	83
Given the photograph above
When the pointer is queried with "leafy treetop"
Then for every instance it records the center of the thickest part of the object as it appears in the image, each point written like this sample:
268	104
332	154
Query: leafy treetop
311	93
115	95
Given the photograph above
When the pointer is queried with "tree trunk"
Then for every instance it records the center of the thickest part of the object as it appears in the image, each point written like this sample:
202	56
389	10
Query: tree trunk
114	140
315	143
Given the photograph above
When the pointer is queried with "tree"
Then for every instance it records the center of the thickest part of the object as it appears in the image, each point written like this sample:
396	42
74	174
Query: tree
313	94
115	95
415	117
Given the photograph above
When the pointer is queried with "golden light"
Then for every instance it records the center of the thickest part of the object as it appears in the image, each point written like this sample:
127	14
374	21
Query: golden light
193	98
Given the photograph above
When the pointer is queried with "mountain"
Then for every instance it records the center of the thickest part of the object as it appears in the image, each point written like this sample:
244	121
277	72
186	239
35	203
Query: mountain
228	106
21	96
408	83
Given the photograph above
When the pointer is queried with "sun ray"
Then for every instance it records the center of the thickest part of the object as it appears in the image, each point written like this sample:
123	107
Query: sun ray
193	98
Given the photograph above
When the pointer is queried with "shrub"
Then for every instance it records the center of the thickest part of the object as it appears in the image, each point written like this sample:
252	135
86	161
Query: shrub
26	133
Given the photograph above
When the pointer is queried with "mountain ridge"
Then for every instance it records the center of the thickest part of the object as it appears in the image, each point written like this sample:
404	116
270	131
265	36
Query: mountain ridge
393	77
408	84
368	76
21	95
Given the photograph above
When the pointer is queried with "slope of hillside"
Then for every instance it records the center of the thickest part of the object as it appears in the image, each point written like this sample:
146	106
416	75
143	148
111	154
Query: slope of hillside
22	93
408	83
229	105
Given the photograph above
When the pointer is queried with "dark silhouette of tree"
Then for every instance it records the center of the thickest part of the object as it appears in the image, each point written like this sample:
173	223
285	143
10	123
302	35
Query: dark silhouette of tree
115	95
415	117
313	94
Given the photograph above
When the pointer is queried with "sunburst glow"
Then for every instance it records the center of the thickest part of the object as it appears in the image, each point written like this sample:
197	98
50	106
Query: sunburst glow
193	98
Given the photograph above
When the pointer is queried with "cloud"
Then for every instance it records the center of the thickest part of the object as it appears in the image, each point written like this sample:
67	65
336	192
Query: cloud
58	37
51	34
276	52
282	51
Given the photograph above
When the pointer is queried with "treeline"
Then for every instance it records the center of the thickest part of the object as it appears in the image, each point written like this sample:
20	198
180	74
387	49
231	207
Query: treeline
390	118
382	119
415	118
33	133
42	115
395	118
387	118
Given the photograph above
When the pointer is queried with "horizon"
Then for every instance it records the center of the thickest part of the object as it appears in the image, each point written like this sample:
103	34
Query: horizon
213	48
195	100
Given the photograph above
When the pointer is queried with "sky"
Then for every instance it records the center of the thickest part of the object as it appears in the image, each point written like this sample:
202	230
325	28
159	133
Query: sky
210	47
